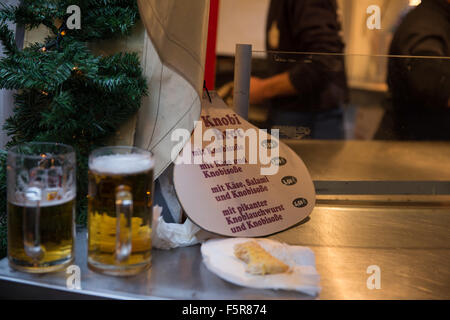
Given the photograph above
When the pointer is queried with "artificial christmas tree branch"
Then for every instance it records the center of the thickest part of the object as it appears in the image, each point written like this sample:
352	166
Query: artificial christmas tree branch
65	93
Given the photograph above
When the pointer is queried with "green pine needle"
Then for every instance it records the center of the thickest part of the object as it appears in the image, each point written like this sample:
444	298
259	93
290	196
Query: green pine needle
69	95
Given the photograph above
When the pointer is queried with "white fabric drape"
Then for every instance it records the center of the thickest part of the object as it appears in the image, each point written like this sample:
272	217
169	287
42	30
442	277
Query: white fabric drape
175	59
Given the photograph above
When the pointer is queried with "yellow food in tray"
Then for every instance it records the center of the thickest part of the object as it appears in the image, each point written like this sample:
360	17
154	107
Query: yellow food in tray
258	260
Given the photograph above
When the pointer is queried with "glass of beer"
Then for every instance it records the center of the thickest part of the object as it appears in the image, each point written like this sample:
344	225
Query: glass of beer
120	210
41	188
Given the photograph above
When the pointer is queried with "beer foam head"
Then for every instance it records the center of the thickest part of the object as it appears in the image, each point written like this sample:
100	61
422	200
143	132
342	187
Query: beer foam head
122	163
58	196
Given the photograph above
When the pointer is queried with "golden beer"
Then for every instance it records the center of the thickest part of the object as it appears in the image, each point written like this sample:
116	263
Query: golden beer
120	212
41	188
56	232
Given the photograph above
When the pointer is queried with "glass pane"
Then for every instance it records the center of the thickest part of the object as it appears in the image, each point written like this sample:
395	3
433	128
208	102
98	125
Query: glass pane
368	106
355	97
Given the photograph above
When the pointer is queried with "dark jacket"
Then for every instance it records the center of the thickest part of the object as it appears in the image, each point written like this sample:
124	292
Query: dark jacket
307	26
420	87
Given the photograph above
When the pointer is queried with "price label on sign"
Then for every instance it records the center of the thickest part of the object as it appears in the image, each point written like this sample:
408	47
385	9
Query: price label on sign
234	179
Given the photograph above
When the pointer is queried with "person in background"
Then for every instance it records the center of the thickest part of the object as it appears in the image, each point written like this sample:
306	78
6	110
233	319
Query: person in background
304	90
420	87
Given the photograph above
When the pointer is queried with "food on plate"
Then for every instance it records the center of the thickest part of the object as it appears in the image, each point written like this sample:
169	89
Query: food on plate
259	261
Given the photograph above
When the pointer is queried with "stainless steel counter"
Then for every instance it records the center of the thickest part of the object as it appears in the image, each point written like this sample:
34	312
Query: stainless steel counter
374	160
396	171
410	243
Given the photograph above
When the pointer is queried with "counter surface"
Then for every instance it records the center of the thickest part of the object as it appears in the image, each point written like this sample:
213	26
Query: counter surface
374	160
409	243
411	247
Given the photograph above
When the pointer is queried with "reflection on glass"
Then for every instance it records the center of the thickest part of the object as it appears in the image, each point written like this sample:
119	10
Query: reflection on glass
303	95
420	87
317	80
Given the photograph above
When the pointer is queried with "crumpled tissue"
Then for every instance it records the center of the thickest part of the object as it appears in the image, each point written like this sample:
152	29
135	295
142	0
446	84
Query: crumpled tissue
174	235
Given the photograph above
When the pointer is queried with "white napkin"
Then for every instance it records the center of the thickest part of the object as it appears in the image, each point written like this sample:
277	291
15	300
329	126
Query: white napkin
174	235
218	256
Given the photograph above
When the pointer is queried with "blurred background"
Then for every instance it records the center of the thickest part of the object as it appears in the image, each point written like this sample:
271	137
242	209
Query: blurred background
369	111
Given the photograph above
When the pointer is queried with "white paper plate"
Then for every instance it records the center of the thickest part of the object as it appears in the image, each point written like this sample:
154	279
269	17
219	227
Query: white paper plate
218	256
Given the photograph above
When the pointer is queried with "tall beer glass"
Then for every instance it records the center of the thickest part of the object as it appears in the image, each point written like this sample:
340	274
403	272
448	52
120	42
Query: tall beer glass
41	188
120	210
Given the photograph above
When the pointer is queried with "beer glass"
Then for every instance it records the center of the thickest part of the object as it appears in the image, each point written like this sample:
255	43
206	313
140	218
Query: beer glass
120	210
41	188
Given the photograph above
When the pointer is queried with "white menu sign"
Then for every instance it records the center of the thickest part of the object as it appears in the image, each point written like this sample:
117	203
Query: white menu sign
263	187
